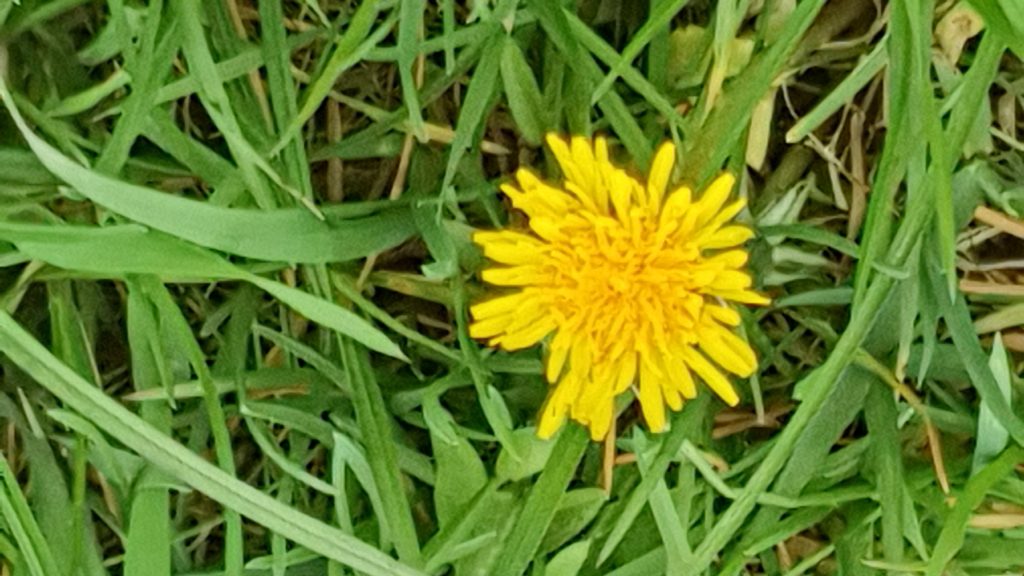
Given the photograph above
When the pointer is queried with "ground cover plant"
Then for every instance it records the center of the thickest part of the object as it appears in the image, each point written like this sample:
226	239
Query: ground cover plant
238	261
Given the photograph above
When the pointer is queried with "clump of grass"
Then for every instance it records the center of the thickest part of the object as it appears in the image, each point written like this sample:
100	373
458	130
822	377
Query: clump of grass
237	263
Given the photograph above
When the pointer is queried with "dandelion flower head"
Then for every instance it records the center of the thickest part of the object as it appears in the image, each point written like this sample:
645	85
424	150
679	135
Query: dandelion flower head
632	281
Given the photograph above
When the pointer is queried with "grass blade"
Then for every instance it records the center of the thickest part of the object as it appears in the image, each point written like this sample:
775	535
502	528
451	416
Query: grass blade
342	59
958	320
524	98
670	445
17	515
287	235
555	22
377	434
661	15
117	251
479	97
542	503
410	25
711	144
866	69
954	528
183	464
882	416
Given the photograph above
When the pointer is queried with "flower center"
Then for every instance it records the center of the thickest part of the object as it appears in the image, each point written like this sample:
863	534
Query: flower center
623	286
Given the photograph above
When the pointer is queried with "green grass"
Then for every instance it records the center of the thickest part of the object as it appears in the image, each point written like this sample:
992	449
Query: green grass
236	263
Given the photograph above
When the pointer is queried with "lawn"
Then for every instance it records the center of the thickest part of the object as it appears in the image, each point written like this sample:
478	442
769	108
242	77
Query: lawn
241	275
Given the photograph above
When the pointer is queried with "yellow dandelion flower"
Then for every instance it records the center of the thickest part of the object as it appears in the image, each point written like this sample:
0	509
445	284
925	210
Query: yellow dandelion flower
633	284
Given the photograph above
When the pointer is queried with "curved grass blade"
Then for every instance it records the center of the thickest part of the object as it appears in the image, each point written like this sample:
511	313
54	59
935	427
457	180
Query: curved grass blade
286	235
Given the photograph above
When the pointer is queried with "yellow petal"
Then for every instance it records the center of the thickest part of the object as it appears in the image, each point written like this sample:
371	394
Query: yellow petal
661	172
511	191
563	155
728	237
552	417
579	356
738	360
528	336
627	372
743	297
540	198
677	204
711	376
714	196
742	349
558	354
601	420
651	402
701	278
490	327
583	157
584	192
726	316
601	152
531	312
729	280
621	193
730	259
497	306
679	374
518	253
514	276
727	213
593	396
547	228
557	406
670	386
602	176
532	204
